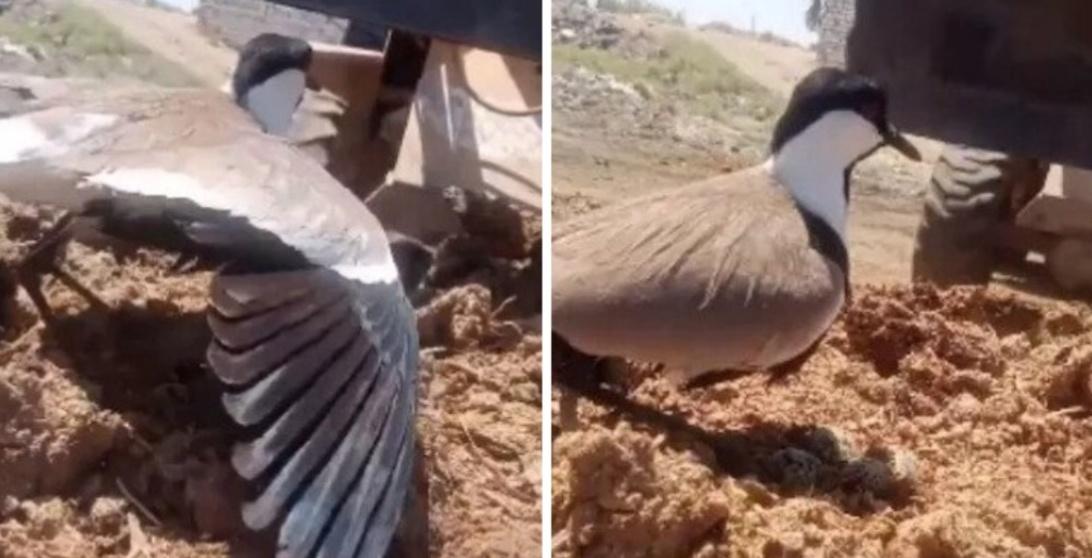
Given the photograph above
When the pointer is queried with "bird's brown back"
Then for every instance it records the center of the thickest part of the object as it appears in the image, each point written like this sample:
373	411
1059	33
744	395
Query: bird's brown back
728	256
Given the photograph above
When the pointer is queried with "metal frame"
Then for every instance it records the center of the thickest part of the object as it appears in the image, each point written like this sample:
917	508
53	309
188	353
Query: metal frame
911	46
509	26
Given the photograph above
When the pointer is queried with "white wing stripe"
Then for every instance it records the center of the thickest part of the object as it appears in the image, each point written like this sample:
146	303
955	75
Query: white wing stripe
338	250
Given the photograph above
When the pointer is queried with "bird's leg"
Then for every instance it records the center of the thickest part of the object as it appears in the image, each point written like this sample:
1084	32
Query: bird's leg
42	259
683	378
185	263
568	411
592	382
39	260
575	373
781	372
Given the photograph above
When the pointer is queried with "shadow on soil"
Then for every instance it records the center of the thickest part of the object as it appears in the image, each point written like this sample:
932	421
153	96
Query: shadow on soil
147	365
790	460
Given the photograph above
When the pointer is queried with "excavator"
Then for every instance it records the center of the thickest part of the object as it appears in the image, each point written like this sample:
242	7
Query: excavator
1007	86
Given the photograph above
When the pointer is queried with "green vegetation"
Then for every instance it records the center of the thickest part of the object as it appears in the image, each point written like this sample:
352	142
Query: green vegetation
686	70
640	7
75	40
72	28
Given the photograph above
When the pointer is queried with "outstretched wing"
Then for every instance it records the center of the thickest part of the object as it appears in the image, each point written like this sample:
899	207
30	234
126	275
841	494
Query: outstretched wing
322	369
320	362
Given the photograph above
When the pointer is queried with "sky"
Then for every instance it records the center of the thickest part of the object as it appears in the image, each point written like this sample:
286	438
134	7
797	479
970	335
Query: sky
780	17
185	5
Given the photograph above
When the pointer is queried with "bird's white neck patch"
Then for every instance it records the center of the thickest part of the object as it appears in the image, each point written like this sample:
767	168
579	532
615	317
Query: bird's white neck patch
25	137
812	164
274	101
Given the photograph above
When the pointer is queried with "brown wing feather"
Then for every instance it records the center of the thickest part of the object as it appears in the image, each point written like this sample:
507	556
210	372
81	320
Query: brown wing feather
691	238
666	277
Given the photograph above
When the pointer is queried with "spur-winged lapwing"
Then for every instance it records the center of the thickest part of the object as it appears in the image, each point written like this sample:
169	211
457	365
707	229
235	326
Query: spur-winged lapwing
739	272
314	339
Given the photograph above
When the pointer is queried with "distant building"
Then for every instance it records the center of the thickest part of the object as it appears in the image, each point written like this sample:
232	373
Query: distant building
835	22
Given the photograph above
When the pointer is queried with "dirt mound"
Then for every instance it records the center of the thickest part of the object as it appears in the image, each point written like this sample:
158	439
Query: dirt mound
580	88
574	22
112	441
928	423
480	421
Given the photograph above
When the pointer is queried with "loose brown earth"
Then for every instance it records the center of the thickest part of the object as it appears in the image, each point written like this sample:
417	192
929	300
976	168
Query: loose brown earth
940	424
928	424
112	440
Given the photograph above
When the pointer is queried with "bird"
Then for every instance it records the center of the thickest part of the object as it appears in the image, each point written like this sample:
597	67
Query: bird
313	339
739	272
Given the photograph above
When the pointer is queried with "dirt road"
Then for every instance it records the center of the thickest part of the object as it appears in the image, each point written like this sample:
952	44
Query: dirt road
172	35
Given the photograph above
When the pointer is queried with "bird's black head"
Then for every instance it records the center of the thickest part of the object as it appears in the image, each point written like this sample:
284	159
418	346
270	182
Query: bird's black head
412	258
265	56
828	90
270	78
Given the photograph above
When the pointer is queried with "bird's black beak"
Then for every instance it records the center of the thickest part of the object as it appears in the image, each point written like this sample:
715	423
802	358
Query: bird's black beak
895	139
